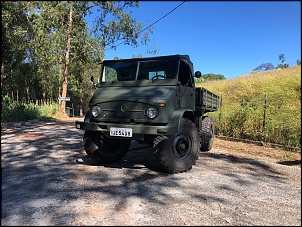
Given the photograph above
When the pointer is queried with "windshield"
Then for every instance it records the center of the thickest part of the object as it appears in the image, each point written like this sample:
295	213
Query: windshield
139	70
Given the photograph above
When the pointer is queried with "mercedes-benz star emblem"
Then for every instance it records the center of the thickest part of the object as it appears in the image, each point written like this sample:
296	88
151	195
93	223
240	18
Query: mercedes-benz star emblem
121	110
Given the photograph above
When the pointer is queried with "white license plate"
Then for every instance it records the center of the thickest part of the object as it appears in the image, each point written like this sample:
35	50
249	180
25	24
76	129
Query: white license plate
123	132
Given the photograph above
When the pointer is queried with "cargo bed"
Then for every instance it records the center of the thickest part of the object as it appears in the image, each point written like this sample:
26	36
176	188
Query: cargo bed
206	101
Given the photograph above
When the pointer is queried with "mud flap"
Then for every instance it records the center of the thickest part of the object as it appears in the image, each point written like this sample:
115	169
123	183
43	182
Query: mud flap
89	145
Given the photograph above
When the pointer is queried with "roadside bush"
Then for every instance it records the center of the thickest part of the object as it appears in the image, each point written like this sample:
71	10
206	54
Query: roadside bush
17	111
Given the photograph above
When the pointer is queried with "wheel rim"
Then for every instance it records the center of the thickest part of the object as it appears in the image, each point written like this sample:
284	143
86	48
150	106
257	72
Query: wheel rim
182	145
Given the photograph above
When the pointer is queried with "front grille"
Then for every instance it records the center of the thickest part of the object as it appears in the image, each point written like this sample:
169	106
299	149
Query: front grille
123	110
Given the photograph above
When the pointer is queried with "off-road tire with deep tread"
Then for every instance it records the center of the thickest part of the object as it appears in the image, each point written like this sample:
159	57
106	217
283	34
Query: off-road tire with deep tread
207	133
176	154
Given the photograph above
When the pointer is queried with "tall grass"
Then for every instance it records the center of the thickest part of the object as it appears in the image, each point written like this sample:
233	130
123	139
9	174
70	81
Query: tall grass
17	111
241	114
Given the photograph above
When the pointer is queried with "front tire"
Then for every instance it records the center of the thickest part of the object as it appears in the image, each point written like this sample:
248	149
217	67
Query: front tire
176	154
105	150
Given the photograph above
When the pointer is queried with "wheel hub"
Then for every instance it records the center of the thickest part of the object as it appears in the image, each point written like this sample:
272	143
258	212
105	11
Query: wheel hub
181	145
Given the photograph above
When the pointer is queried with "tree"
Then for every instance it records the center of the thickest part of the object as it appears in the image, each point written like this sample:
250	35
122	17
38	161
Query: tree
282	65
281	58
264	67
68	46
298	62
120	26
14	44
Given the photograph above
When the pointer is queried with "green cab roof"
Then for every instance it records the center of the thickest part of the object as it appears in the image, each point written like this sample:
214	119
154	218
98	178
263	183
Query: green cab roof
185	58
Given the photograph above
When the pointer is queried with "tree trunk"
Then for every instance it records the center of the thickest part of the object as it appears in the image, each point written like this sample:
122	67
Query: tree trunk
60	74
2	73
81	107
27	94
65	83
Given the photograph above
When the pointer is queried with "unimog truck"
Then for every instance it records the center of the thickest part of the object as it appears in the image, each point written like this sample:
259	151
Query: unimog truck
153	101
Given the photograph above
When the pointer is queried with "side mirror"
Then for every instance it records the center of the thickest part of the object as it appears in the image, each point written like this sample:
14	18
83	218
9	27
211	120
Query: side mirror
197	74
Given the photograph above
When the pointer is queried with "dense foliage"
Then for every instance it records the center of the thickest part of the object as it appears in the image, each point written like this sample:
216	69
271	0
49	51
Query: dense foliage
209	77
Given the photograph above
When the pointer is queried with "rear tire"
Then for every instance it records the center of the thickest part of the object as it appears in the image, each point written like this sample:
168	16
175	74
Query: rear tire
207	133
176	154
105	150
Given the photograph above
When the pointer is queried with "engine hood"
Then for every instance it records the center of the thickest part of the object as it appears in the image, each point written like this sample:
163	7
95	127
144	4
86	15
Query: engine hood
105	94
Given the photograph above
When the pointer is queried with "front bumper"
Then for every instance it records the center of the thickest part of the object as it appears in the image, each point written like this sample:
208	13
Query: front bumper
138	130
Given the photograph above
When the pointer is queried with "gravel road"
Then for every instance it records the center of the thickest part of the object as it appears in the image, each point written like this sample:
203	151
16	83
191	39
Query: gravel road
43	185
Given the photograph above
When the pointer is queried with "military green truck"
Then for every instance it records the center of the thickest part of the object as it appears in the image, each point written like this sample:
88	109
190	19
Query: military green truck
153	101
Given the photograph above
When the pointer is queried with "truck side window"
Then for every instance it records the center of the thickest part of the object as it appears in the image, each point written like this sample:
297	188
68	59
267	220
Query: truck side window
184	75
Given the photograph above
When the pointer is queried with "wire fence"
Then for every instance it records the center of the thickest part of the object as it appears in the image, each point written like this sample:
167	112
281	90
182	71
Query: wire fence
258	119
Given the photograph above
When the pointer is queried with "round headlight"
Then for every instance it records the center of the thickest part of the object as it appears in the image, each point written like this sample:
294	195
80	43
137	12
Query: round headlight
152	112
95	111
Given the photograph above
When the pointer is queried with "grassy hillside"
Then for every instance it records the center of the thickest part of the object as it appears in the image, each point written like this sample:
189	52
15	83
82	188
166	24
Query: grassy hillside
243	106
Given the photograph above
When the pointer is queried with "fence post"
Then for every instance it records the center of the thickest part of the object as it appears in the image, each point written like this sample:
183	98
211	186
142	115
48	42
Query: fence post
263	124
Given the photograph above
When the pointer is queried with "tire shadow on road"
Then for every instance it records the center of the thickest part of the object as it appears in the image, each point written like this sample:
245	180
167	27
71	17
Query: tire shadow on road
244	163
290	163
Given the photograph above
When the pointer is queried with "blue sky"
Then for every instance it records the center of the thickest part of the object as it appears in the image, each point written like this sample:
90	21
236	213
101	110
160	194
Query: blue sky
221	37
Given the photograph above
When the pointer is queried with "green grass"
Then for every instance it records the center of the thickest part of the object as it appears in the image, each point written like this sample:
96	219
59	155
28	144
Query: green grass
242	111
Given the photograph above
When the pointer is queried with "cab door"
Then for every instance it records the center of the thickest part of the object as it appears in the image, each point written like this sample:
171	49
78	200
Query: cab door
186	88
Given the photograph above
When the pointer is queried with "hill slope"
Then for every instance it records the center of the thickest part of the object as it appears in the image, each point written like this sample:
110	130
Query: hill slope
271	99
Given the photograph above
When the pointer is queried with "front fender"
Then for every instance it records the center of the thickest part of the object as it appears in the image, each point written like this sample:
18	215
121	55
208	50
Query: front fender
87	117
179	114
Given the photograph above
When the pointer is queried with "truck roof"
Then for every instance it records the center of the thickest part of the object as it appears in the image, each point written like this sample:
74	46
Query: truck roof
184	57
